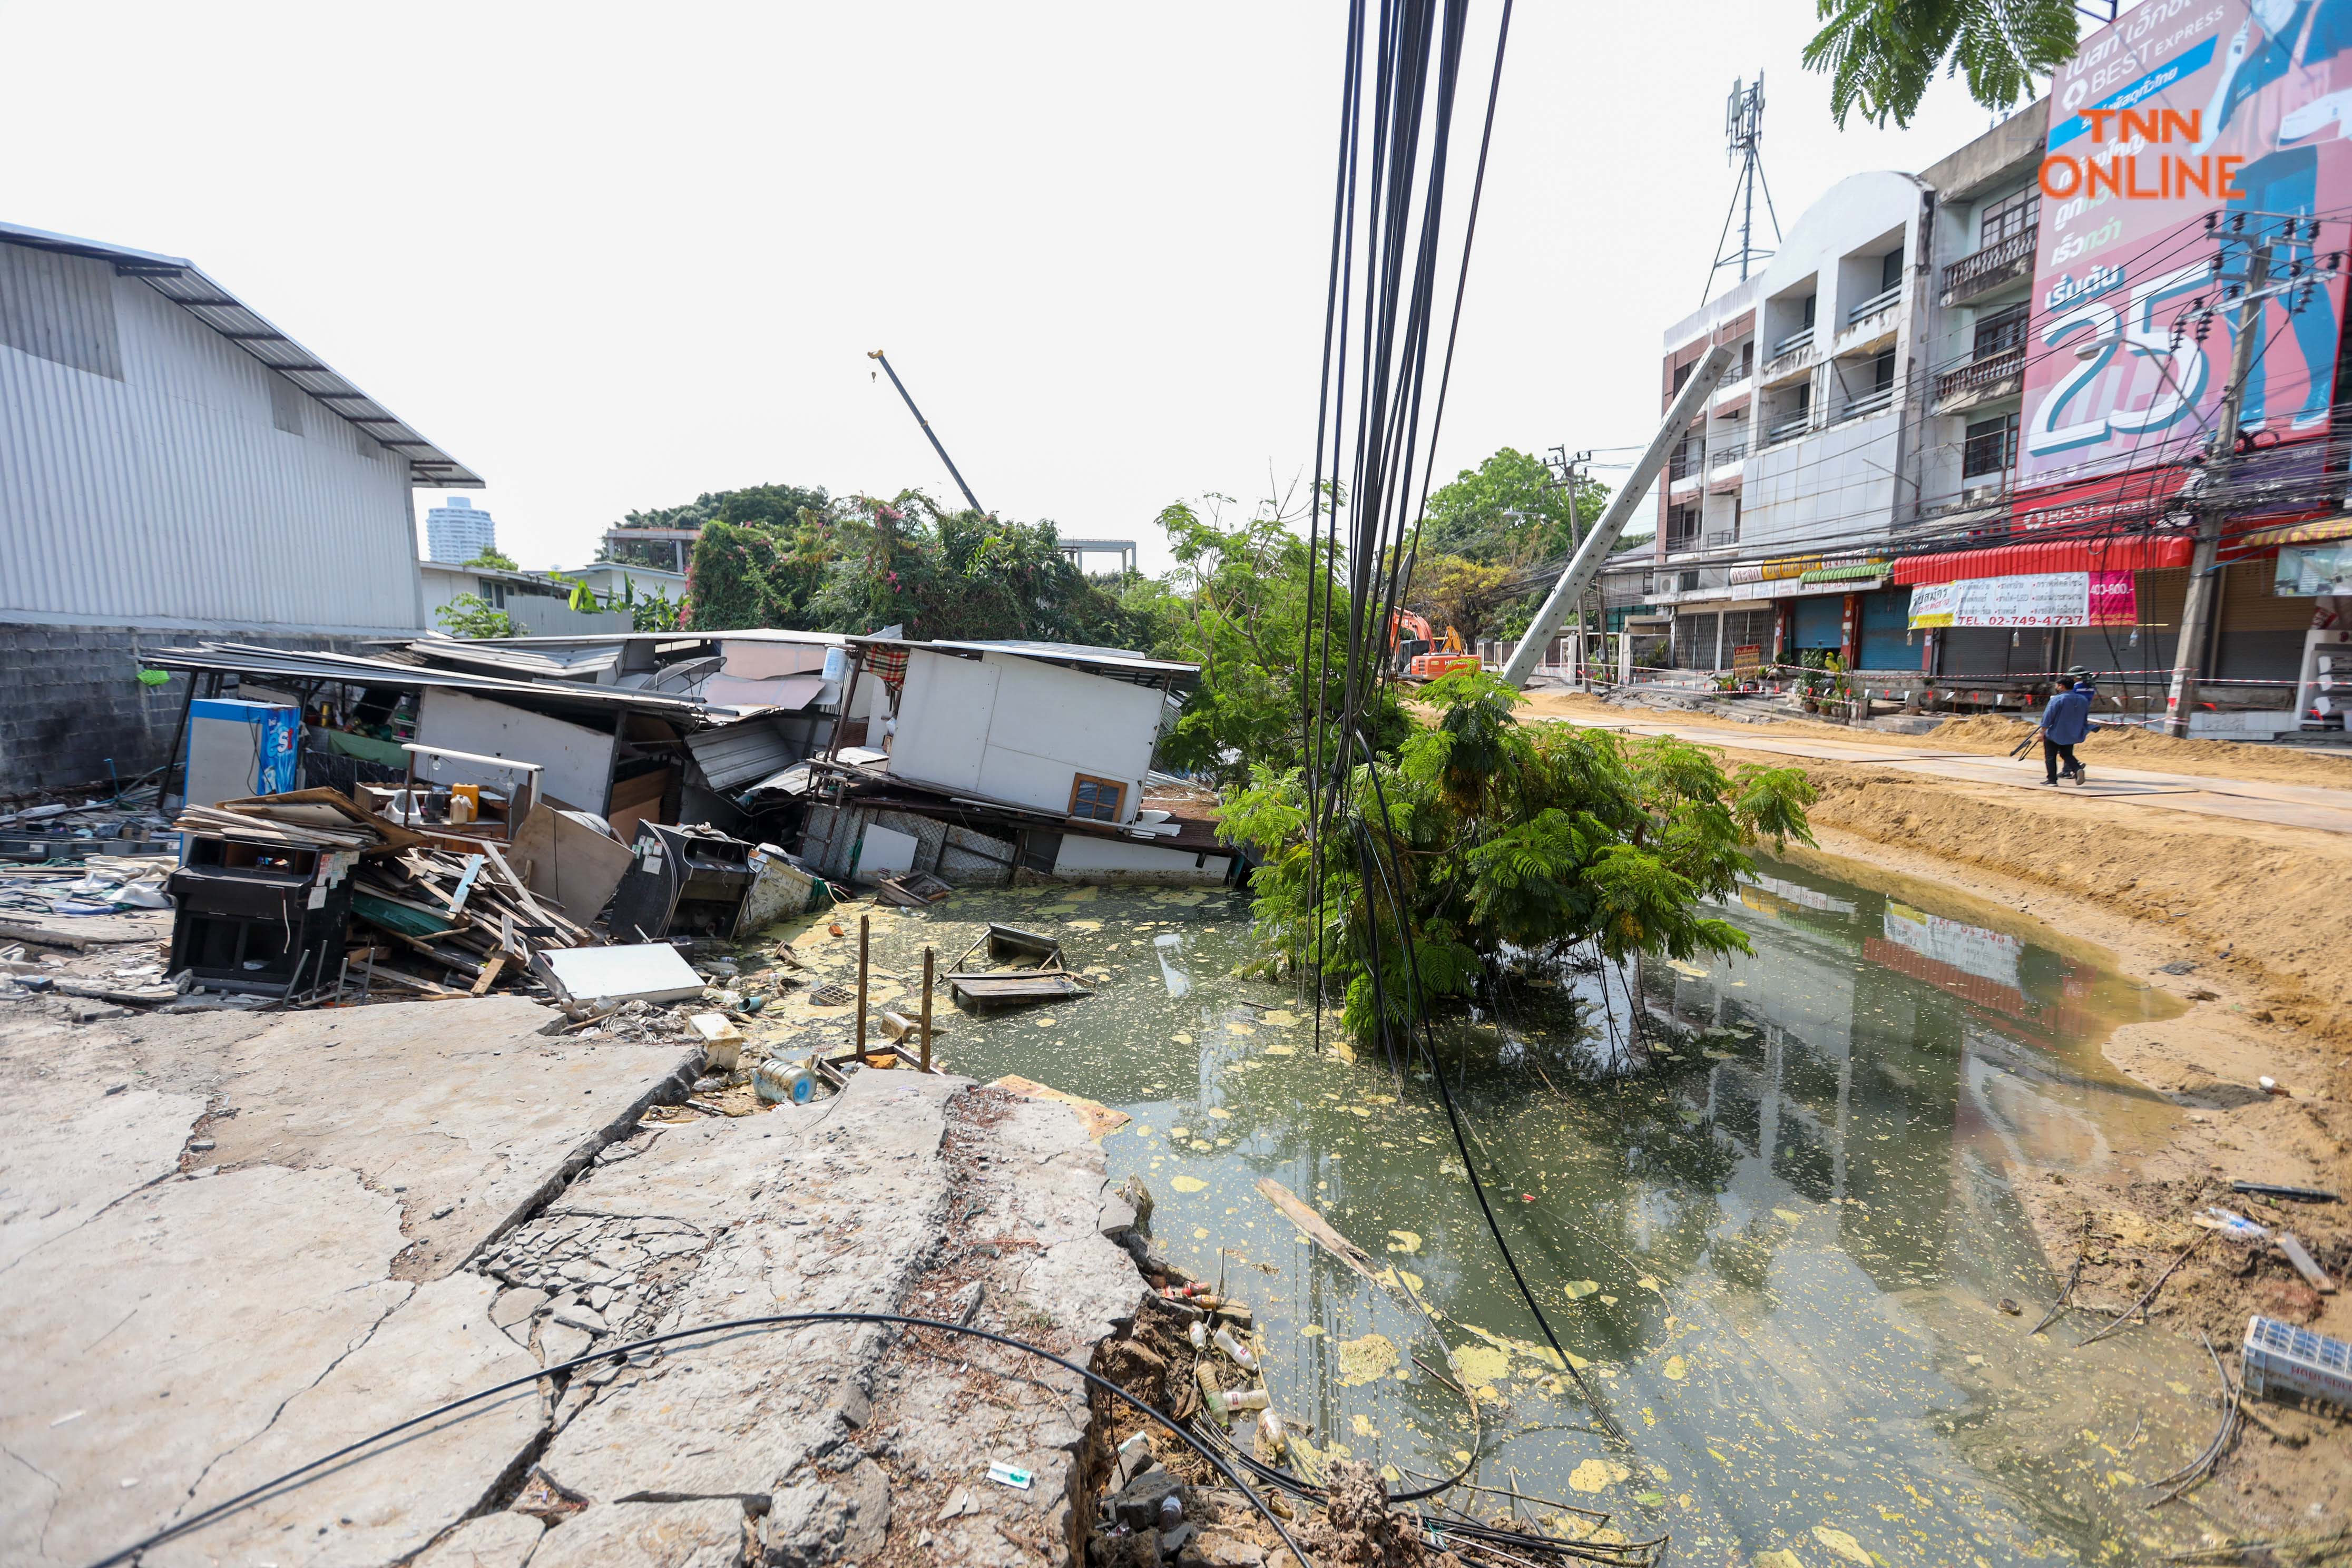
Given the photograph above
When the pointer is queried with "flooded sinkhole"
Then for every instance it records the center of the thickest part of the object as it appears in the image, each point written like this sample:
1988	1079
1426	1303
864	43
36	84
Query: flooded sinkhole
1777	1252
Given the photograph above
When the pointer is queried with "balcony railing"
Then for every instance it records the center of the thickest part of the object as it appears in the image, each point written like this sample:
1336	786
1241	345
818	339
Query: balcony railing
1725	452
1868	404
1682	464
1993	264
1980	372
1681	538
1875	304
1795	343
1795	424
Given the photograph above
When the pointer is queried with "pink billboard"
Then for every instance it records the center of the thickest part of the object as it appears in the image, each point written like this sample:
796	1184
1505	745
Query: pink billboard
2181	109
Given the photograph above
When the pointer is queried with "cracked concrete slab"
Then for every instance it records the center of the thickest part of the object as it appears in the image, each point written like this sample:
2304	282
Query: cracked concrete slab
647	1536
432	1348
491	1541
176	1333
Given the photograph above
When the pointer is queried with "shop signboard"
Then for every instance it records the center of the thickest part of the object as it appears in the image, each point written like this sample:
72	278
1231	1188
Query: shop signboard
2181	110
2304	570
2028	599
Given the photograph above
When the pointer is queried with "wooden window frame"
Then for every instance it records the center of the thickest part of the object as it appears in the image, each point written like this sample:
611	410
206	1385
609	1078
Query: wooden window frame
1117	798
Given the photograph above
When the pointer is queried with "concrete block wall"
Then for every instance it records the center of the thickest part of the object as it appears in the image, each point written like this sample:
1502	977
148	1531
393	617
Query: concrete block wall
70	699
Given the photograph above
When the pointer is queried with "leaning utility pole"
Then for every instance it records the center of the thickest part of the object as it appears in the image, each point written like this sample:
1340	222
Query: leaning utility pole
1585	564
1567	468
2197	613
968	499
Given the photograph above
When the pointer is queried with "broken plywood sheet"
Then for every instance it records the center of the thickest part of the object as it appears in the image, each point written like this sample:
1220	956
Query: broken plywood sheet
638	972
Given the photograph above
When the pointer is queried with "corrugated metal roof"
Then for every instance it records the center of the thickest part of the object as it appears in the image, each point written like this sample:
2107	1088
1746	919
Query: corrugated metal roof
736	754
187	286
243	658
1117	663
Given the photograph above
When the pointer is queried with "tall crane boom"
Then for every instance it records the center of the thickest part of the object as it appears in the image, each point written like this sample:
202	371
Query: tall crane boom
970	499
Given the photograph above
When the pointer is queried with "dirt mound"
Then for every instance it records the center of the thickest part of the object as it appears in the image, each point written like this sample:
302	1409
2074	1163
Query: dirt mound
2135	748
1989	730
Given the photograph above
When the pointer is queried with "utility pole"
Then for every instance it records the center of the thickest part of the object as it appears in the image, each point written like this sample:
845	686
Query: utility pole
1585	565
1565	467
968	499
2197	613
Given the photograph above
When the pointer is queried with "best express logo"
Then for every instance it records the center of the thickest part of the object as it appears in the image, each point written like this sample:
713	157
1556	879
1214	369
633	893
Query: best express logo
2132	172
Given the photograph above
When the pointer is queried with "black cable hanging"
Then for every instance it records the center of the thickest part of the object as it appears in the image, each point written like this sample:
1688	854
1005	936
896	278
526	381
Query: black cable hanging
621	1352
1418	59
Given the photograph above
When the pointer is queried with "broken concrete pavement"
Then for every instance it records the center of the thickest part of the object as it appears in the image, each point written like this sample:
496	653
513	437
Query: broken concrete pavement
232	1242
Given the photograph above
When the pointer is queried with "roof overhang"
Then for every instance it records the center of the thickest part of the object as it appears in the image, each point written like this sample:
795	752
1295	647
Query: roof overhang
185	285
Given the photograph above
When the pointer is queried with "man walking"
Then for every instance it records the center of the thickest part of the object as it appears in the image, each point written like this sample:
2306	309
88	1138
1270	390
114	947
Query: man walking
2066	722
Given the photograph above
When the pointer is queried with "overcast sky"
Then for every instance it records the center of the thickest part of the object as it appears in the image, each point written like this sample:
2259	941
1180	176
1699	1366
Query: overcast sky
612	257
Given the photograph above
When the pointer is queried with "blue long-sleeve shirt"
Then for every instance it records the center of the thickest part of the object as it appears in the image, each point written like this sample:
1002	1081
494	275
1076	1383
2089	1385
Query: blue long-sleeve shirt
2067	720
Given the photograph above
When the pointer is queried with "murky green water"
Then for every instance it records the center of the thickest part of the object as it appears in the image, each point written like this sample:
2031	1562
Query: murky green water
1778	1249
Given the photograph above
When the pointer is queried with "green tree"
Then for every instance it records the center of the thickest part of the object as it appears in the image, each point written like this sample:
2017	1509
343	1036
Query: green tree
1881	56
1482	837
862	563
495	560
470	616
1507	512
774	507
1236	604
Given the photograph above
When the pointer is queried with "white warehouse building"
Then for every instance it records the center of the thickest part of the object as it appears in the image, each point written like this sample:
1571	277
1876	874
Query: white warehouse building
172	466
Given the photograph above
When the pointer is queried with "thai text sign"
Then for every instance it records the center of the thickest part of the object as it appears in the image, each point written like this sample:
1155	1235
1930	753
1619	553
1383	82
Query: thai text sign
2181	109
2032	599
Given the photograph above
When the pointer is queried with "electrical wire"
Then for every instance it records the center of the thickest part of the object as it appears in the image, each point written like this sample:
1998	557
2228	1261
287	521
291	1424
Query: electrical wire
765	1322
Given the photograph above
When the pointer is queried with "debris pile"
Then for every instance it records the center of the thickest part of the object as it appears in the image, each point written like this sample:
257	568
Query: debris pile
125	824
447	924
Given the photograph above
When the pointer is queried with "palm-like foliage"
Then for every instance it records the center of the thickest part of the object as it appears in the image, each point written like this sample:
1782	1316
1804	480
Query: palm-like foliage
1881	56
1481	836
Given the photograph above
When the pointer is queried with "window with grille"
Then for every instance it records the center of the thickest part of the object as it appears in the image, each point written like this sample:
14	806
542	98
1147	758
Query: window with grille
1097	799
1890	270
2010	216
2001	330
1991	448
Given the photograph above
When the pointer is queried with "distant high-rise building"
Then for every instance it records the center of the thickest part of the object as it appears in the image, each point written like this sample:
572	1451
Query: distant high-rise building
458	530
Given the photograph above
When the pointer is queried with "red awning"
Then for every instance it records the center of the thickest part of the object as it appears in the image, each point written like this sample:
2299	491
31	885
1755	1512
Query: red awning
2143	554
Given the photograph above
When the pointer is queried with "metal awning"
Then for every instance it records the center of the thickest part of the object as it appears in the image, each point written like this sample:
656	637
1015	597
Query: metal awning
1857	573
2311	532
2139	552
185	284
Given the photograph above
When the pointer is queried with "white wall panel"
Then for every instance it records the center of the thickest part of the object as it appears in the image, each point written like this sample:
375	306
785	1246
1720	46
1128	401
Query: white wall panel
577	760
171	498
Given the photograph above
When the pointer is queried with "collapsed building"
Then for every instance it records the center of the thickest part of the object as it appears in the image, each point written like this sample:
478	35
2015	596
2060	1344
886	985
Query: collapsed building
865	757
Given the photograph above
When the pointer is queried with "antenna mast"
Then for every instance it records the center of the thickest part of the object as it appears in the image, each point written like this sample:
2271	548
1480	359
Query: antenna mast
1743	132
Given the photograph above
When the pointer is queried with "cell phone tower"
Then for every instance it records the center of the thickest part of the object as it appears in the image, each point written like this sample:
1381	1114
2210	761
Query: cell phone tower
1743	133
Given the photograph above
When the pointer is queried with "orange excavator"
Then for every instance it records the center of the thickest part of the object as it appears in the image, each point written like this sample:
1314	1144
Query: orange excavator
1420	653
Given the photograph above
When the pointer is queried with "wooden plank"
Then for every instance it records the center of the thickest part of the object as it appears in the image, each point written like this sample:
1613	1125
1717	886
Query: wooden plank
407	981
81	942
1302	1213
490	975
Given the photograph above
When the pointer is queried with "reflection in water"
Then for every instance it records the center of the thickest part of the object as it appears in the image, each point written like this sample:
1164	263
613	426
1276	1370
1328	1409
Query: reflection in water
1776	1250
